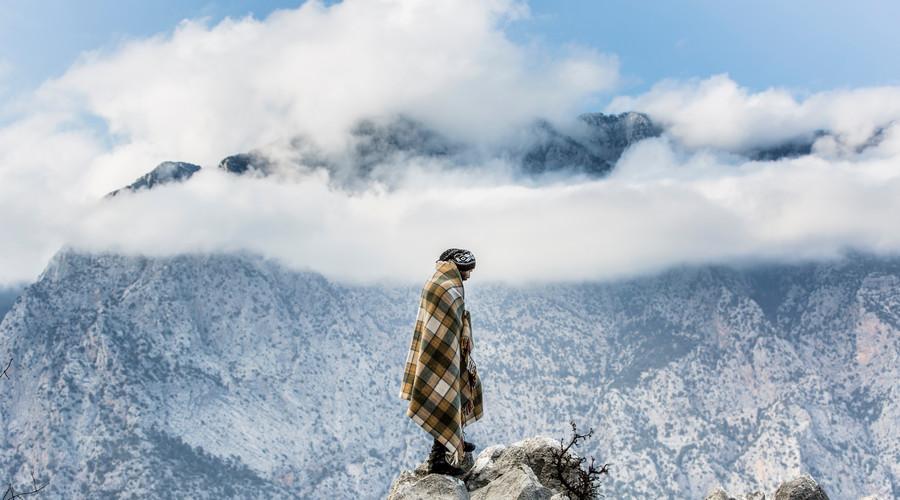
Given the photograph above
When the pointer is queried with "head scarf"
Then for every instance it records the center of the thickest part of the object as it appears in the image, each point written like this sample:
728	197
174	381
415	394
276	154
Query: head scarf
464	259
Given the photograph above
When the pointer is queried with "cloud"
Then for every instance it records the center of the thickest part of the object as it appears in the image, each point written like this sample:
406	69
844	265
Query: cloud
203	92
690	208
716	112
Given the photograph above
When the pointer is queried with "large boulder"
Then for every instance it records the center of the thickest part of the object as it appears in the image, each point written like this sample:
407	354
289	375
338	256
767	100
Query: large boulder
420	484
524	470
535	452
409	486
519	483
801	488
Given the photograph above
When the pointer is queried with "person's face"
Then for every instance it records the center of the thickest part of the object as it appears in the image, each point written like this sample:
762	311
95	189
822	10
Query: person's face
465	274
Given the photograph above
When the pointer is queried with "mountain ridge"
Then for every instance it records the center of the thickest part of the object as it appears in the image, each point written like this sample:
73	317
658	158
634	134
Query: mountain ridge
590	146
292	377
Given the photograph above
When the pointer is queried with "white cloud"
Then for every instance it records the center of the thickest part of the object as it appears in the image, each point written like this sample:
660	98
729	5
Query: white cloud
717	112
693	209
205	92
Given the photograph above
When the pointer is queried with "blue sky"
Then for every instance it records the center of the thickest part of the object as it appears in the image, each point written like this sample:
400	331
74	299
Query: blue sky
40	39
803	45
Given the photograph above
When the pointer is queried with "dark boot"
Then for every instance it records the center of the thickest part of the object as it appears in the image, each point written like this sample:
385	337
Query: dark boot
467	446
437	461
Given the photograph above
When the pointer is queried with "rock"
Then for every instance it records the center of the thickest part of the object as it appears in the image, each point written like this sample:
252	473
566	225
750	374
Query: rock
517	483
409	486
524	470
535	452
719	494
484	468
419	483
801	488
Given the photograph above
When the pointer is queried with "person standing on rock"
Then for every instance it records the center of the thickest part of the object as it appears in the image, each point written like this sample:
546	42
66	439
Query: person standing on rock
440	380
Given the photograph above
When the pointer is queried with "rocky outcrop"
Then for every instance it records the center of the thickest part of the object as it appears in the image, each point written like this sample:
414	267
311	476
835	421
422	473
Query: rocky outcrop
800	488
524	470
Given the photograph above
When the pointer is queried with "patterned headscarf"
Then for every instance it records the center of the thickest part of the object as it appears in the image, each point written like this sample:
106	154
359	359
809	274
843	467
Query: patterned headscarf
464	259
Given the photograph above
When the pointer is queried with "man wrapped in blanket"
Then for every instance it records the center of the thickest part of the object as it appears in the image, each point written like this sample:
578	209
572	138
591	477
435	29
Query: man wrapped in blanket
440	380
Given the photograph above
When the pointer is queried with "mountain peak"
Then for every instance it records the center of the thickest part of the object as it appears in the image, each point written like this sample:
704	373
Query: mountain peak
246	162
164	173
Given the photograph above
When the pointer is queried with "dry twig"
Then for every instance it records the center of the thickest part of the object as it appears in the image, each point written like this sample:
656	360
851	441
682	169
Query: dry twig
586	483
11	493
5	370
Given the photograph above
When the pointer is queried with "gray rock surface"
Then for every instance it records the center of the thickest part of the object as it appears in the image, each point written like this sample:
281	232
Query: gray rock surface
411	486
719	494
522	470
518	482
800	488
535	452
419	483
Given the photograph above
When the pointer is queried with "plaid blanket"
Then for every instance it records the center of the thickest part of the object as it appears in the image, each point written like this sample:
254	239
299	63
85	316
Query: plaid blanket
440	378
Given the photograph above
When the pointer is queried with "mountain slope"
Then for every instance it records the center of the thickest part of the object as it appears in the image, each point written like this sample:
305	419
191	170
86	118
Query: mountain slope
231	375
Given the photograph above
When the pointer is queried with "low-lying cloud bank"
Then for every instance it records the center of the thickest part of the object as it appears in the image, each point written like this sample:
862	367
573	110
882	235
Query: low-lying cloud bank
656	210
204	92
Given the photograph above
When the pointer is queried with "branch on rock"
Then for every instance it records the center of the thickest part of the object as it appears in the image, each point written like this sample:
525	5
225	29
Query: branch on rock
11	493
5	370
579	483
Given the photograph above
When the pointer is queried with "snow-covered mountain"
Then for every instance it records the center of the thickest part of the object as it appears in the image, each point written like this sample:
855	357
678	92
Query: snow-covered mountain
164	173
227	375
377	149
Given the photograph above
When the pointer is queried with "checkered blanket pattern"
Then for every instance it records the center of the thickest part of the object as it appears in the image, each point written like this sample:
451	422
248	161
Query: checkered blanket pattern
439	378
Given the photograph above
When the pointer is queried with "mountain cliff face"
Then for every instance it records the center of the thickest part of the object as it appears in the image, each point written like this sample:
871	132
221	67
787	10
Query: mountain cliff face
377	150
206	376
